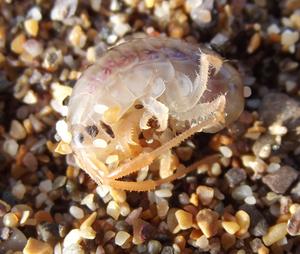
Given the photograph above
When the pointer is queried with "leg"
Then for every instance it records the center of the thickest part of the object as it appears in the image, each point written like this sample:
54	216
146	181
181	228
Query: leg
201	80
152	184
146	159
202	109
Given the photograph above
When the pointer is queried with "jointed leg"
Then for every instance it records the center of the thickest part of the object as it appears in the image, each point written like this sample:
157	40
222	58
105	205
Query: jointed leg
202	77
146	159
152	184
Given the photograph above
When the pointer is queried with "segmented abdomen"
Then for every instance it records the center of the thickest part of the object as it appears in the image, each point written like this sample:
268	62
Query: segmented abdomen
125	72
162	68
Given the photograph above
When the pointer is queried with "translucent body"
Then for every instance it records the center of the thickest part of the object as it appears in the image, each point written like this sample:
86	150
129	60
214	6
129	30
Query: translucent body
142	93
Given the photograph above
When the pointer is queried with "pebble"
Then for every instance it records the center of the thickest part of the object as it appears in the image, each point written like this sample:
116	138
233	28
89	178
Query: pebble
184	219
220	41
30	98
262	147
24	218
76	212
96	4
89	201
59	182
134	215
216	169
289	37
118	195
40	199
77	37
206	194
207	222
91	54
255	244
121	29
226	151
183	198
53	58
31	27
154	247
227	240
235	176
202	242
293	226
243	219
277	129
108	235
36	124
10	146
121	238
10	220
74	248
142	231
254	43
17	131
4	233
273	167
290	86
111	39
273	29
162	12
122	225
30	161
102	190
201	12
163	193
230	227
281	180
35	13
113	209
58	248
63	9
282	110
63	132
162	206
88	222
194	199
87	232
115	6
34	246
45	186
16	241
275	233
167	250
279	108
247	92
251	200
241	192
19	190
73	237
17	44
260	228
48	232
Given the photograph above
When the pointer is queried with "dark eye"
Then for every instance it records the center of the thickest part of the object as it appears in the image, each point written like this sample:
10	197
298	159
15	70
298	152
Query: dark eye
78	138
66	101
107	129
138	106
92	130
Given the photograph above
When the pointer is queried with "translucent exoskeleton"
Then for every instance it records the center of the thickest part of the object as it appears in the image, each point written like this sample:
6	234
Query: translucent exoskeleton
141	99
